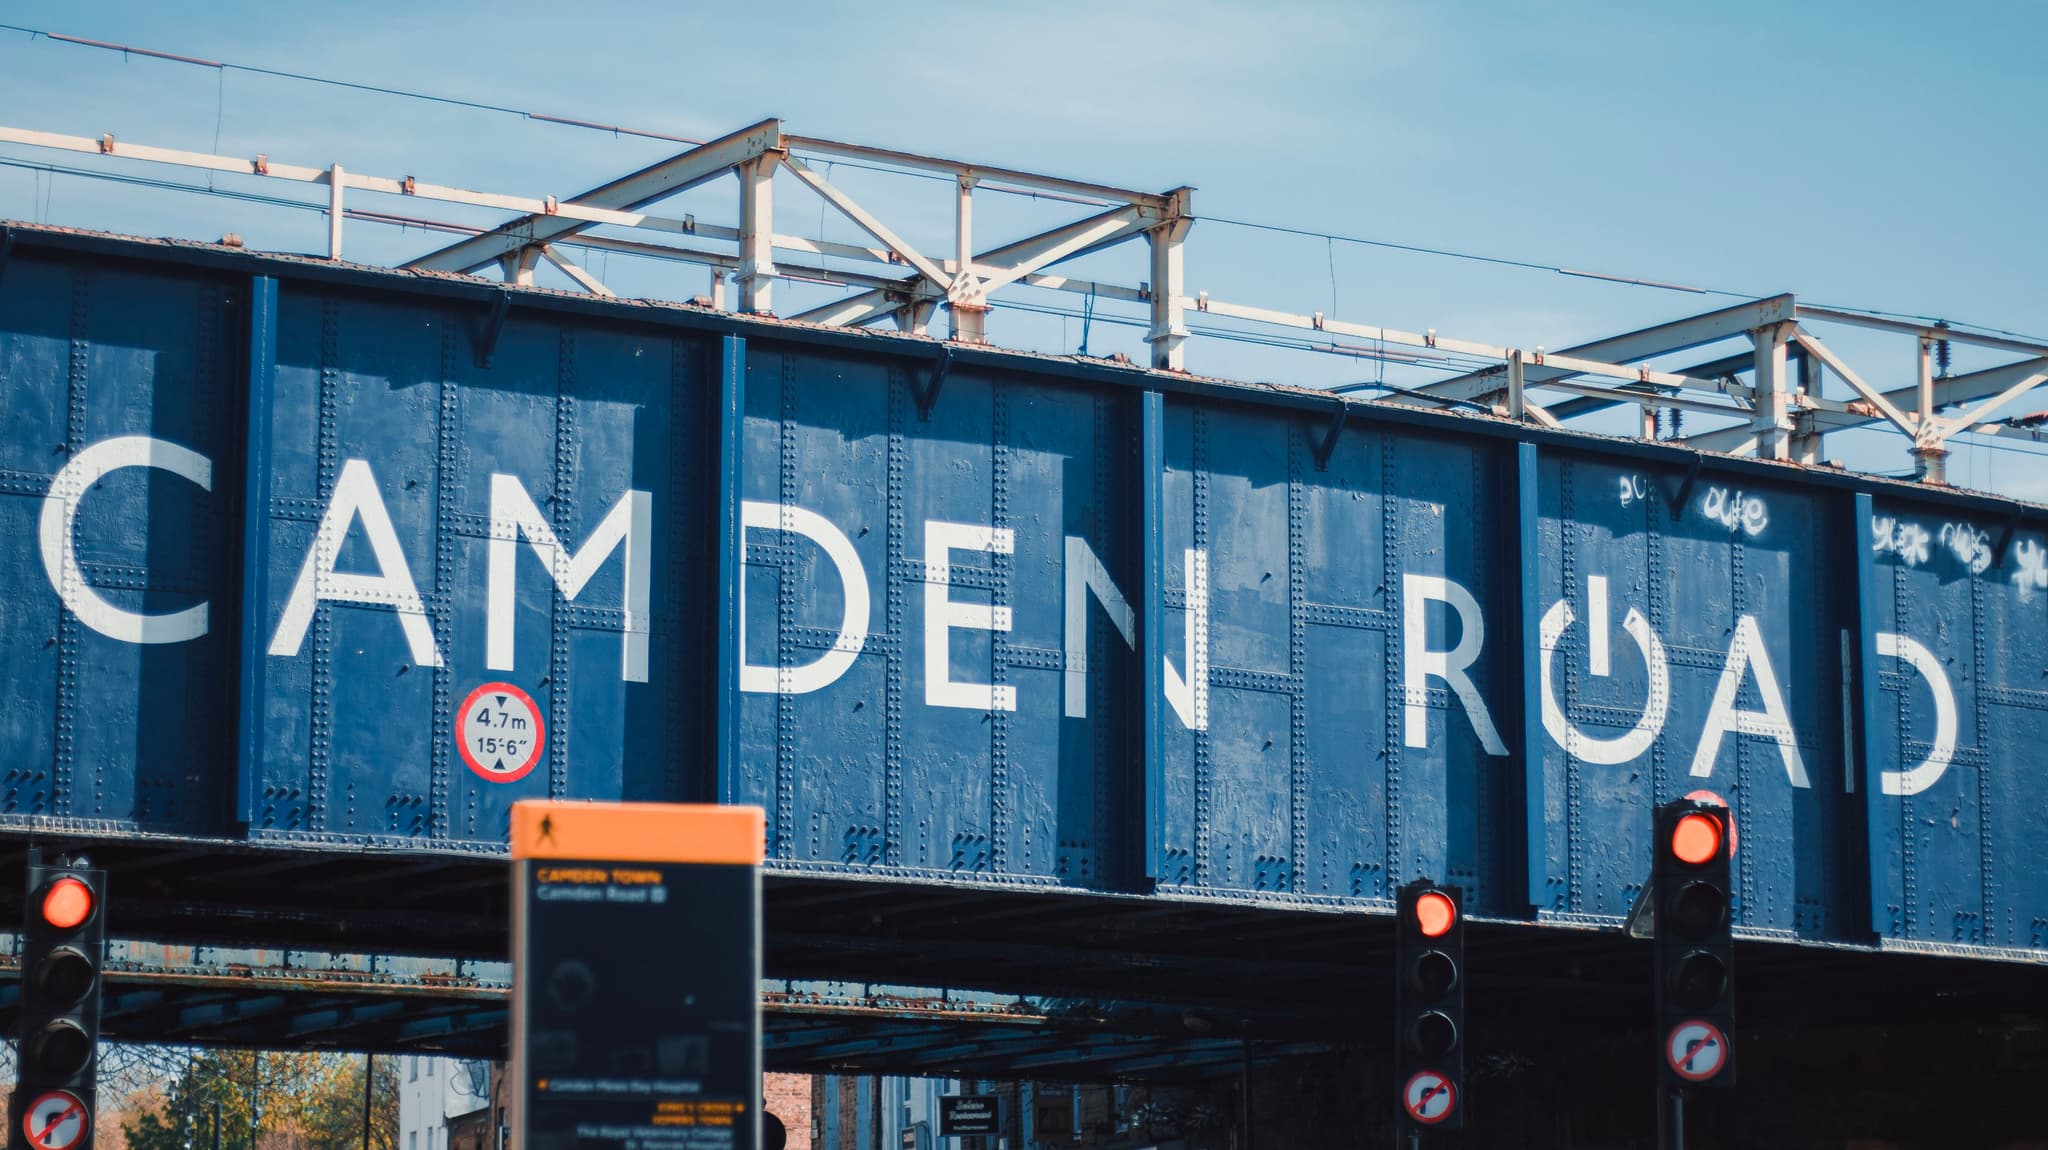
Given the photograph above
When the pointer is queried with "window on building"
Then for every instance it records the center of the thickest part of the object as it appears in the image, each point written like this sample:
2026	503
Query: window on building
412	1074
1052	1111
412	1140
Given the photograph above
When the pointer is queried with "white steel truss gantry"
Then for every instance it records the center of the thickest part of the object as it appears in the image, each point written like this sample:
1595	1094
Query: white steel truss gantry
961	283
1767	388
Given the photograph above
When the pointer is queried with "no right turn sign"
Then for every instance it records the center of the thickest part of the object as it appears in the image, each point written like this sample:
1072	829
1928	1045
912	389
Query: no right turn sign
1697	1050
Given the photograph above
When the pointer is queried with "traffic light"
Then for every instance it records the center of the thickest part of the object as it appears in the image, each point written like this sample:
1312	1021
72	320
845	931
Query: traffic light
1429	1005
1695	947
63	947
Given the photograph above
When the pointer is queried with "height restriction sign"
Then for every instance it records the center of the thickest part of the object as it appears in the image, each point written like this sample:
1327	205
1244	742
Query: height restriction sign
500	733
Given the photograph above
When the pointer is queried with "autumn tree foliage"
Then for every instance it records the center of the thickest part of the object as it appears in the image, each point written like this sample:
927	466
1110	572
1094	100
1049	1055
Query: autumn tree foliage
268	1100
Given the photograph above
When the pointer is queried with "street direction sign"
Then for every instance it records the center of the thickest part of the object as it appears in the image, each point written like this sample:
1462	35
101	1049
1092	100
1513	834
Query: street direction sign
1429	1097
636	936
56	1121
1697	1050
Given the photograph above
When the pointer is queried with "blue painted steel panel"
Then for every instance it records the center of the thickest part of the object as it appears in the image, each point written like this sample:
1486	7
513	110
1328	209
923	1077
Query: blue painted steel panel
869	772
1961	634
99	731
1309	775
950	614
358	739
1728	591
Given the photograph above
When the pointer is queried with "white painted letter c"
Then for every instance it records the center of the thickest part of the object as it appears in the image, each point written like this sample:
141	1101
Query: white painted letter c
60	549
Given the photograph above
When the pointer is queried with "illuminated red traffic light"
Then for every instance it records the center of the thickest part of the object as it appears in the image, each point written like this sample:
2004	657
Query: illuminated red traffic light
1694	951
1435	914
1696	840
1429	1004
67	903
63	942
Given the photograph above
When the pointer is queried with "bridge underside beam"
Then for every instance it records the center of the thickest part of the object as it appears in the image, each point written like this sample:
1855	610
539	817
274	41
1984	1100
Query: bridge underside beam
1065	985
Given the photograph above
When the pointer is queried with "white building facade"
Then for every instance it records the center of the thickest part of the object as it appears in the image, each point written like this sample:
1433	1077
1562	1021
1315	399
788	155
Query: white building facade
432	1090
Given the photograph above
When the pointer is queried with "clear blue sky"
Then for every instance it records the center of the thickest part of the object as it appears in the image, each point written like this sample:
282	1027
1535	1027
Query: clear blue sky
1878	155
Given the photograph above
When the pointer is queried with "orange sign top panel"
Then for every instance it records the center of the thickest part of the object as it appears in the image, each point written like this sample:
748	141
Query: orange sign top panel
639	832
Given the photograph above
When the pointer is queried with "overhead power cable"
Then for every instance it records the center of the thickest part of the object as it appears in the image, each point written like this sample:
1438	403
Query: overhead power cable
622	130
1475	257
1936	321
378	89
1978	439
1206	331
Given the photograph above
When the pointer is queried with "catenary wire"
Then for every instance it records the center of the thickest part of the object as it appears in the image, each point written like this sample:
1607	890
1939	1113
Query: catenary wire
223	67
51	171
1206	331
621	130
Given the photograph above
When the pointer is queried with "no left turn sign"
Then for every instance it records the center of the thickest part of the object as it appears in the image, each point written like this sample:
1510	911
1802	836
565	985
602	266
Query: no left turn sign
1697	1050
56	1121
500	732
1429	1097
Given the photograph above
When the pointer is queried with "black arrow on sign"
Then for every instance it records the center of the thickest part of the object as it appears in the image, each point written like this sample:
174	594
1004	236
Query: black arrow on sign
70	1109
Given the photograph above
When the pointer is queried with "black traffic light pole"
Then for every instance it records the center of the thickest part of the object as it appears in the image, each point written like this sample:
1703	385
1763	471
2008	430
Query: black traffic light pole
1671	1117
1429	1010
1694	956
63	946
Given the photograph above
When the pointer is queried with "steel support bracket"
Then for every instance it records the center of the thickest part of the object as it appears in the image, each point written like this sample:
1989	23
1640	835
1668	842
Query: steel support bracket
1327	446
2012	525
927	394
1692	475
494	324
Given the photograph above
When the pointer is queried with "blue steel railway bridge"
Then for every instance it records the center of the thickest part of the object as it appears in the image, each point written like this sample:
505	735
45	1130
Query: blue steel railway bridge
1098	708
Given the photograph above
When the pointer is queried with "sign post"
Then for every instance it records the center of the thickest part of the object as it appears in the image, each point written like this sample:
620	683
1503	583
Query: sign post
636	944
